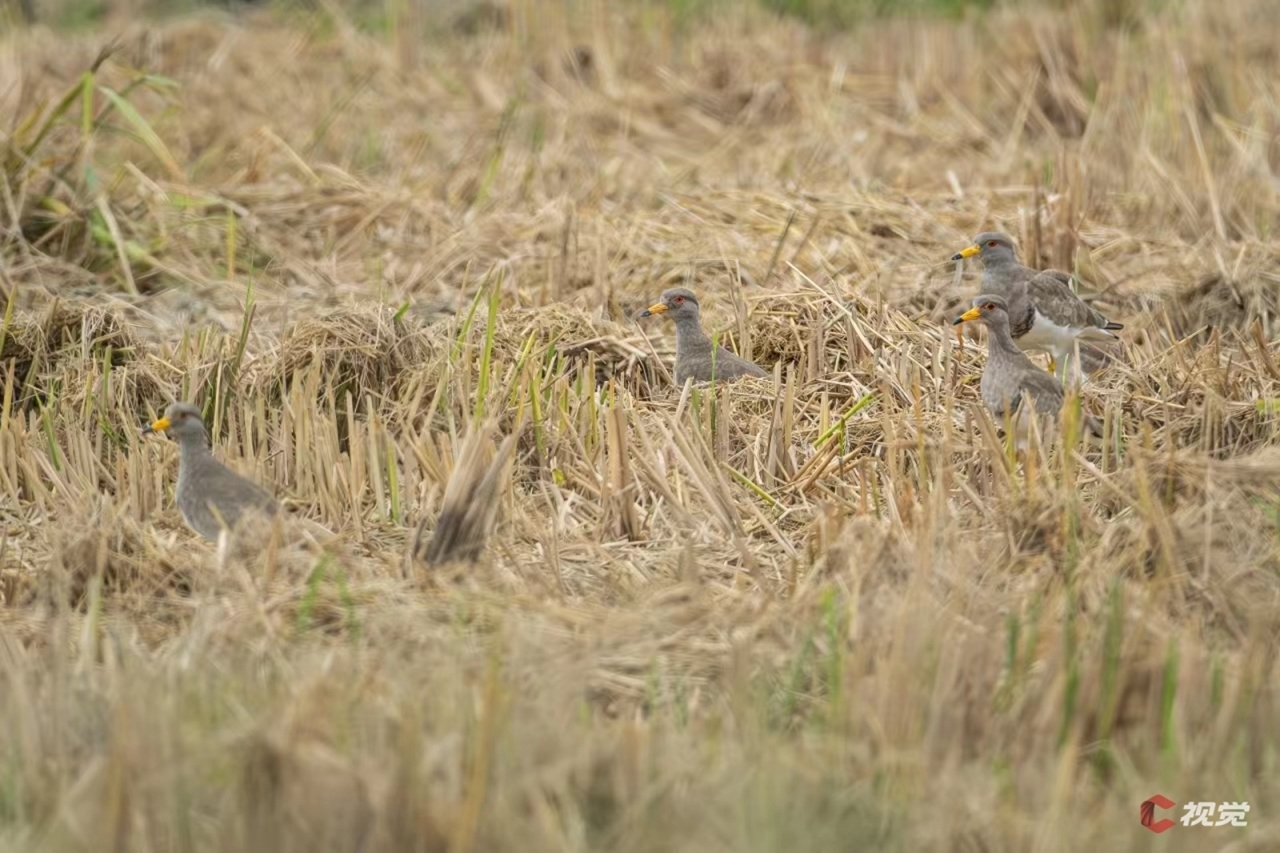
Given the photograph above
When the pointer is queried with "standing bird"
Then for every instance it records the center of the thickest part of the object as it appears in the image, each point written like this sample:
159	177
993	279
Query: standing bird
1044	313
695	352
210	496
1011	383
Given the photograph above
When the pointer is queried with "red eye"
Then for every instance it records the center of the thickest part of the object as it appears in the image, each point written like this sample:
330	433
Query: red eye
679	300
991	243
991	306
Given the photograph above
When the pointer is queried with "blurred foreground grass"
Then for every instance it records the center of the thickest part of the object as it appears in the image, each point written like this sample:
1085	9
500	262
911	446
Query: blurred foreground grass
379	16
822	615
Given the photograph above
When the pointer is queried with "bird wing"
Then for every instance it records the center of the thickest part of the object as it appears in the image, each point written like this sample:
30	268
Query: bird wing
230	489
1053	297
729	365
1007	397
1045	388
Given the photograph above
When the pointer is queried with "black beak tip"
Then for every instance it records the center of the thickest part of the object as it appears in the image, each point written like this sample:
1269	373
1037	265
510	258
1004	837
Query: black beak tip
957	321
957	257
645	313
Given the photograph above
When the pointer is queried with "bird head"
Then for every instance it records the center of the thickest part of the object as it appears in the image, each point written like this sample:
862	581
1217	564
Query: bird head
988	308
990	247
180	420
678	303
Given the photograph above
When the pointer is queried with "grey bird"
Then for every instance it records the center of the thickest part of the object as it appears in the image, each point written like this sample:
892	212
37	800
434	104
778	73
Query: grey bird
1044	312
1011	383
210	495
695	352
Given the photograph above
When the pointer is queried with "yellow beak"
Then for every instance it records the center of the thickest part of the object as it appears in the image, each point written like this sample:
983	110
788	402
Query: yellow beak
656	309
160	425
971	314
967	252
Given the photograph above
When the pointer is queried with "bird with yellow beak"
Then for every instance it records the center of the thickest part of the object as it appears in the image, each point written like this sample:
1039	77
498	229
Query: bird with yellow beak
1045	314
697	357
210	496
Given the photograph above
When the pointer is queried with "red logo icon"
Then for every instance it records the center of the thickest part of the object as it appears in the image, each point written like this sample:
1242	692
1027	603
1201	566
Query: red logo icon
1148	812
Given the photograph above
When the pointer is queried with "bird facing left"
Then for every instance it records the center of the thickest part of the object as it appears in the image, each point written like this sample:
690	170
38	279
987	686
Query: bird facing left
210	496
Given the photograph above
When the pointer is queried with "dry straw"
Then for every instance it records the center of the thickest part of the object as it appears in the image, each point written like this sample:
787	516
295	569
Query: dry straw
823	611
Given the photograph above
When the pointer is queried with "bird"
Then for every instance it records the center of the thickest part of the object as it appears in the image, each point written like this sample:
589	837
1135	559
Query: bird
1044	312
1012	385
210	496
697	358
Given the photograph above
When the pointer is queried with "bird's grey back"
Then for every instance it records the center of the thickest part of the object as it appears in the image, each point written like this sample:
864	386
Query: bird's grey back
207	490
699	366
1054	298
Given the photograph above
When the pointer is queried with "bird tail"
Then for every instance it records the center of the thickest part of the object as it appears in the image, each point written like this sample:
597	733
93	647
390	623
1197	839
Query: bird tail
1097	334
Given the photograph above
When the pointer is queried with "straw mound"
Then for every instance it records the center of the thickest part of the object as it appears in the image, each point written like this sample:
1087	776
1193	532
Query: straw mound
880	560
120	553
742	594
781	326
1206	530
89	356
1199	402
359	352
616	359
1217	302
108	554
64	334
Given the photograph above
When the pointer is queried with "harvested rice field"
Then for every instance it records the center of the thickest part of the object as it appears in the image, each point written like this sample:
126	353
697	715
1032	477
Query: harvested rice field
528	593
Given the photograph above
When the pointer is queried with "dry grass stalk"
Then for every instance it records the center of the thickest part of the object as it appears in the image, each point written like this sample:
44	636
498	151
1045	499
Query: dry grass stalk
472	499
777	615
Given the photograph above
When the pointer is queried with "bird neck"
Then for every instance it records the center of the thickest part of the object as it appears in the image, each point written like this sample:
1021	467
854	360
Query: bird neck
690	337
1000	340
193	446
998	273
1000	262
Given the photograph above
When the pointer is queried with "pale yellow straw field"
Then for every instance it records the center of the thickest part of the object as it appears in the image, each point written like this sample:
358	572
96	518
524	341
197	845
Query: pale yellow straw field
829	615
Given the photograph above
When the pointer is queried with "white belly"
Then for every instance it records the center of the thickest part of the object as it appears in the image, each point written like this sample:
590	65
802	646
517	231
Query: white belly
1047	336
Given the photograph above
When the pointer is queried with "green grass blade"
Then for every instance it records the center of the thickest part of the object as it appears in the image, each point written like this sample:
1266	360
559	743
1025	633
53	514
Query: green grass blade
145	133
